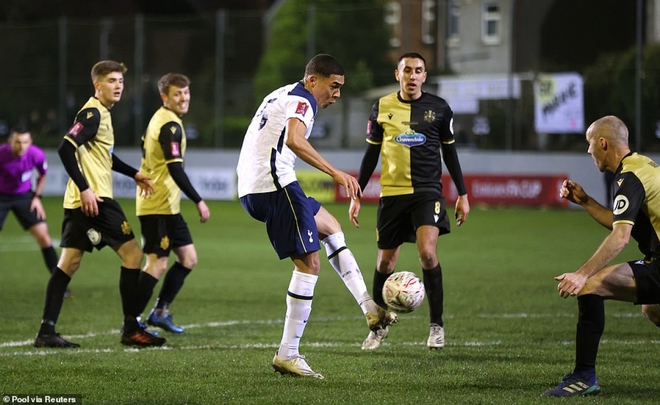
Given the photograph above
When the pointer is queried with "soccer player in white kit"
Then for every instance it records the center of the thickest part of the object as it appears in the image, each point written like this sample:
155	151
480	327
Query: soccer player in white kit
270	193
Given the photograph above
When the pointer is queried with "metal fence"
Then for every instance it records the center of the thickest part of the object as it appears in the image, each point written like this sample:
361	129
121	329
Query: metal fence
47	71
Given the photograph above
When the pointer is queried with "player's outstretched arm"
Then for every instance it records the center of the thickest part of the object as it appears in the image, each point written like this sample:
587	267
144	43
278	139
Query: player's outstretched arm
296	141
354	211
574	193
143	181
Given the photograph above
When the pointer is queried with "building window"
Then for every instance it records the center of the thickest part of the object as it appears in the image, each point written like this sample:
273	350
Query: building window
491	23
428	22
453	18
393	21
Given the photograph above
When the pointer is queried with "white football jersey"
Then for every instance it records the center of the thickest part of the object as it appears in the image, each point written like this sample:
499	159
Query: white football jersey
265	163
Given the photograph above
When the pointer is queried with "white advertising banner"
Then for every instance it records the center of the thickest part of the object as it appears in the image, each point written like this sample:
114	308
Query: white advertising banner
559	103
211	184
464	92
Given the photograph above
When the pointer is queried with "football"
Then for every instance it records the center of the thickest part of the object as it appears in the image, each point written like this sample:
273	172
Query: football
403	292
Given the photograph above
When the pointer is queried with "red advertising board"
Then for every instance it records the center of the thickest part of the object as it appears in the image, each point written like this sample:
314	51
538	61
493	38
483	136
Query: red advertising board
491	189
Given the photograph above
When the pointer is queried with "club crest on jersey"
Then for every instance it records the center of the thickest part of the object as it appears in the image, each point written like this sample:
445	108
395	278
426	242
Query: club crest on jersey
302	108
174	149
410	138
429	116
75	129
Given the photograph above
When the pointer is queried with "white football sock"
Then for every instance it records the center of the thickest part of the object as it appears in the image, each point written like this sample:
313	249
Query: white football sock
343	261
298	307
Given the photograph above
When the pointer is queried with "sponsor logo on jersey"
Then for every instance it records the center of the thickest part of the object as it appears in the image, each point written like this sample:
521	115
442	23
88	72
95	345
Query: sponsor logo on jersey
174	149
75	129
410	139
302	108
620	205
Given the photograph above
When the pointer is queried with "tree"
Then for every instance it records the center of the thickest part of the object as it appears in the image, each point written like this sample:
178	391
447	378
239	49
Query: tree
610	89
352	31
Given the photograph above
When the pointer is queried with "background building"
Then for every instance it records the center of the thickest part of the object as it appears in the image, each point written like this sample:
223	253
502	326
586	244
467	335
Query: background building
498	46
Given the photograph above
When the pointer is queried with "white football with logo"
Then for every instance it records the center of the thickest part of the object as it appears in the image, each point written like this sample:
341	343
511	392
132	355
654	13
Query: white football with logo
403	292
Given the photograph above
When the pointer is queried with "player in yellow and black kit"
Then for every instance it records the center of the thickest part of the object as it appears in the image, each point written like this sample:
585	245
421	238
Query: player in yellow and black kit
163	227
635	213
92	219
407	130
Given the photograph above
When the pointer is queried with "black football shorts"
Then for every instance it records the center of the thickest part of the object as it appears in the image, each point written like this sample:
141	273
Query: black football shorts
109	228
162	233
400	216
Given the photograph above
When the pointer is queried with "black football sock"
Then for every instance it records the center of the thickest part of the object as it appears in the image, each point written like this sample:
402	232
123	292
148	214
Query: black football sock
128	291
590	326
146	286
377	292
57	284
173	282
161	307
50	258
434	293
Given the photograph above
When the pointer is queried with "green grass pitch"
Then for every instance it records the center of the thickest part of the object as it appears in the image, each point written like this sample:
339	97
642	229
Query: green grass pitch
509	335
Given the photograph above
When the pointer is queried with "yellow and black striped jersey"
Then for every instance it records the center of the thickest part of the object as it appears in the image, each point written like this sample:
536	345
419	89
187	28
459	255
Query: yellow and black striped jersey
93	136
410	134
637	201
164	142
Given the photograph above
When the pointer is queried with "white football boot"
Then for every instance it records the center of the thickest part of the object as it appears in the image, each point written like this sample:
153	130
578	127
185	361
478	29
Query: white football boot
296	366
374	338
436	337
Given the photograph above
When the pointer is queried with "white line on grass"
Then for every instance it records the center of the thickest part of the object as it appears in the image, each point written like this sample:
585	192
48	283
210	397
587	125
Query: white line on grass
46	352
23	243
221	324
